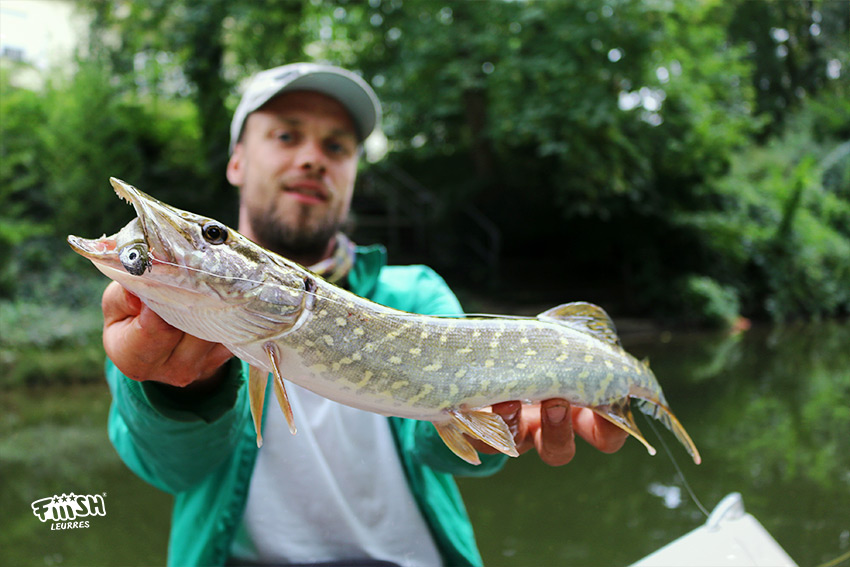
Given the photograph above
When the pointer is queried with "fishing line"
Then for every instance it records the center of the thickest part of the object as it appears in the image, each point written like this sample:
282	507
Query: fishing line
836	561
678	469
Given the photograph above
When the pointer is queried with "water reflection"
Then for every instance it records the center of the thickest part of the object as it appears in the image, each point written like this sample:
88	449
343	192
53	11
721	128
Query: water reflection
769	410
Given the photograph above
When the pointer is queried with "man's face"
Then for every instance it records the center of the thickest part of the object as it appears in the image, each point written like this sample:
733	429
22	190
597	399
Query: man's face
295	166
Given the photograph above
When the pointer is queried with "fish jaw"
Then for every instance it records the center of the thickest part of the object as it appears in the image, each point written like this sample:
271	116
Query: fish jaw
167	232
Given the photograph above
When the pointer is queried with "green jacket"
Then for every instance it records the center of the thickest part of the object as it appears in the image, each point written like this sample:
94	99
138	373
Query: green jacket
204	454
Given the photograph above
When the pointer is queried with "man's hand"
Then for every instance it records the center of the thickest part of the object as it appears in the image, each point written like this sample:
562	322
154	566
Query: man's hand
144	347
550	427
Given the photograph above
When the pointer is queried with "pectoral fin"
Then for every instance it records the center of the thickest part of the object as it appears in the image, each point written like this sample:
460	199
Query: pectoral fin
482	425
279	389
257	380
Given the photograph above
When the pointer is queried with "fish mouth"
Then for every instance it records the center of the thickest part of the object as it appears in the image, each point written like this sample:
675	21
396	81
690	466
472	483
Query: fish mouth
155	225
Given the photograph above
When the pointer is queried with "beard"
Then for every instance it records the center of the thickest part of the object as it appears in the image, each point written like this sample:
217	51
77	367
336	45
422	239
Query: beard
300	242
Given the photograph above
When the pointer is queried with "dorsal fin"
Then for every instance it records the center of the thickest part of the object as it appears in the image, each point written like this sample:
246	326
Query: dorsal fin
585	317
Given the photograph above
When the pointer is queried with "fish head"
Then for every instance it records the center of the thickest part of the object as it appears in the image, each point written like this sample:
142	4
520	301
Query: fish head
169	255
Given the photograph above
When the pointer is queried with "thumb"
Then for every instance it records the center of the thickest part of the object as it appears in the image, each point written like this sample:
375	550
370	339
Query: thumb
119	304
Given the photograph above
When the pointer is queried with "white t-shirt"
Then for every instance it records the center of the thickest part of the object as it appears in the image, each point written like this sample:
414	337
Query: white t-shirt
334	491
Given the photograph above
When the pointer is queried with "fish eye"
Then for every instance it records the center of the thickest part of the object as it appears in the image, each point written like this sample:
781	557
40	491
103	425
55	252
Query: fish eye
214	232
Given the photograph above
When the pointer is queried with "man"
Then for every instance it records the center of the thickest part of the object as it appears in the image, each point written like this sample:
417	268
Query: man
351	487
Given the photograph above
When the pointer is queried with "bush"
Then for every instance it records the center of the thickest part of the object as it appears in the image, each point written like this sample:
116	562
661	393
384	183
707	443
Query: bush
776	227
703	301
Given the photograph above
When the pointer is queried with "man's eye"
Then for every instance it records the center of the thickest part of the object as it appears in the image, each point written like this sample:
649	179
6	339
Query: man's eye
338	148
285	137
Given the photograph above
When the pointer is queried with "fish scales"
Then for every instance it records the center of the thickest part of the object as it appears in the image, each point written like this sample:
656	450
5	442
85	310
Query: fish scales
460	362
287	322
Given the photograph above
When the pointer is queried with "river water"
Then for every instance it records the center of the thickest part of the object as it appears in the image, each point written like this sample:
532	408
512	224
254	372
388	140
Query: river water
769	410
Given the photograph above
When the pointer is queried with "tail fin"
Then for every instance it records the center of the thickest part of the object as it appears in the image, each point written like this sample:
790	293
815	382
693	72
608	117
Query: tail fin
620	414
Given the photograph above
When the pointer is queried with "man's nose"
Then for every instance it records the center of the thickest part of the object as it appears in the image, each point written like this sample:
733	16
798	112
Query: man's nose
311	156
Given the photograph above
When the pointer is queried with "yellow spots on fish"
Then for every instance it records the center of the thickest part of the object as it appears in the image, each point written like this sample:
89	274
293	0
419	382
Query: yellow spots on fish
367	376
453	389
489	363
424	335
564	342
626	368
340	322
444	405
358	332
562	357
460	373
464	350
580	389
424	391
322	313
345	360
530	352
444	338
394	360
329	340
609	364
476	333
588	358
521	365
415	351
511	385
319	368
603	385
356	356
433	367
523	341
399	384
584	374
496	336
484	385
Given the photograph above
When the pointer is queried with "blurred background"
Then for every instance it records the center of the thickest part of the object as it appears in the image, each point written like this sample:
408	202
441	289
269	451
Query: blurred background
686	165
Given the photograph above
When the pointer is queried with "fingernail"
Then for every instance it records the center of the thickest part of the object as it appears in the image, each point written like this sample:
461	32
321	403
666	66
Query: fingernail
510	417
556	414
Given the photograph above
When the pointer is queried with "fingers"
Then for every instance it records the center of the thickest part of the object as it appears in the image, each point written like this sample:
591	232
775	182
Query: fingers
118	303
598	431
145	347
550	427
555	440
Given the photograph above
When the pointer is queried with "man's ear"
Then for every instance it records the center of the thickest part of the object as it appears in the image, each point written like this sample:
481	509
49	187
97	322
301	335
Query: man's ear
234	167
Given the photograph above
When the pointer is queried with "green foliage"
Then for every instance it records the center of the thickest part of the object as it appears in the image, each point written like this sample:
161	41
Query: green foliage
778	230
705	302
51	331
638	137
59	148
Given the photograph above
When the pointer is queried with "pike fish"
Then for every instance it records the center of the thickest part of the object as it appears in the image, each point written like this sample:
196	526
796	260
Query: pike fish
285	321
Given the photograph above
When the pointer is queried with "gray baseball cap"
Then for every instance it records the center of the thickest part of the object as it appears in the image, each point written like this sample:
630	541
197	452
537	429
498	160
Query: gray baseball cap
349	89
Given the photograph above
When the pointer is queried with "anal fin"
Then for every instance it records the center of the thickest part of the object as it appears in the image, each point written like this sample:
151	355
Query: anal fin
257	380
482	425
453	437
279	389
